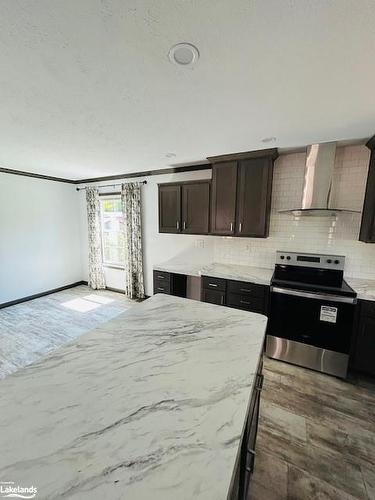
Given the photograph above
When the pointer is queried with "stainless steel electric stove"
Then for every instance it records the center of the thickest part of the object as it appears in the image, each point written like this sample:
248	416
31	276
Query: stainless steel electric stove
311	312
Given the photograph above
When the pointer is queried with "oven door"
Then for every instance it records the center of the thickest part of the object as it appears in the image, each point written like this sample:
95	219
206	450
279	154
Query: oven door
319	320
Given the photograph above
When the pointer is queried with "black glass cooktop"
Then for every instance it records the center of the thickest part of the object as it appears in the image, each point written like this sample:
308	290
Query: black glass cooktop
313	280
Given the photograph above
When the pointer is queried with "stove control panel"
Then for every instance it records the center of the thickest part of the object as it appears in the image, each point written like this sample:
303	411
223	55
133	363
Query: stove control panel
311	260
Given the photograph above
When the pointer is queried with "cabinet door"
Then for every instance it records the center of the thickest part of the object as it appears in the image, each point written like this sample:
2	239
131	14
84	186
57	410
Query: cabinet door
213	297
162	282
367	232
169	209
364	357
223	206
195	207
254	197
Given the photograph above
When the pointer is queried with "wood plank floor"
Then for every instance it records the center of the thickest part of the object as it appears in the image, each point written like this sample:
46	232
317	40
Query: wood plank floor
316	437
32	329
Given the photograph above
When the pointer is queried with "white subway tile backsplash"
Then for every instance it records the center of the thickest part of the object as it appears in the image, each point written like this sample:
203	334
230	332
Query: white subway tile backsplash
337	235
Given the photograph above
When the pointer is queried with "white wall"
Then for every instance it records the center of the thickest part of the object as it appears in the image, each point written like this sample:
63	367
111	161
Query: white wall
157	247
39	236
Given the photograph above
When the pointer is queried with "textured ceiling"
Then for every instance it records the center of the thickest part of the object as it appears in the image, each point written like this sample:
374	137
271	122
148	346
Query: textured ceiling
86	87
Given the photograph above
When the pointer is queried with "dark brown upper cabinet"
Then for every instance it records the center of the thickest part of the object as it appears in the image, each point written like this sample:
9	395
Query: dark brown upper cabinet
223	201
169	208
367	232
254	197
195	207
241	193
184	207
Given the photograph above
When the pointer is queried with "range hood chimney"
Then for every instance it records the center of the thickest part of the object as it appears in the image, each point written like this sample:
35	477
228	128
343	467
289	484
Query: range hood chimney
320	161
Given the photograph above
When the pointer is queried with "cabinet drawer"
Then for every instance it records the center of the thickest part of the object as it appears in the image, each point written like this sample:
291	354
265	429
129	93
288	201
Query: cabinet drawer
368	308
162	286
161	275
246	302
214	283
213	297
244	288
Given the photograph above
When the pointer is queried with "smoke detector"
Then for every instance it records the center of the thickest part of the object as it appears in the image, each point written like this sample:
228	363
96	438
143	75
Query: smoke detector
184	54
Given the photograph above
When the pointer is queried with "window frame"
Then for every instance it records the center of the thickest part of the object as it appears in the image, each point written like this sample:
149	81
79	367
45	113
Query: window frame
102	197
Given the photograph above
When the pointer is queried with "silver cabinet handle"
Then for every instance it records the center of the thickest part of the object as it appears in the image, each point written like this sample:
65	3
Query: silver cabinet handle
177	224
259	384
252	453
222	300
212	284
240	227
161	289
245	290
184	225
231	226
161	277
244	302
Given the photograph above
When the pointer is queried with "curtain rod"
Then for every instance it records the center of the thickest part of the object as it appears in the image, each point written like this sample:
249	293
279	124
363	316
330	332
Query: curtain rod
107	185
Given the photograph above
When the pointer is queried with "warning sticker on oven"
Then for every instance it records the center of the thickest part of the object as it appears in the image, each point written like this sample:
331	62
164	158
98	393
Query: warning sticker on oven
328	314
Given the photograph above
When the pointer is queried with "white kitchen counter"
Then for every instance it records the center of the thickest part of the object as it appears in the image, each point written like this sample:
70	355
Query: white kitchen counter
216	270
178	267
365	288
151	404
239	273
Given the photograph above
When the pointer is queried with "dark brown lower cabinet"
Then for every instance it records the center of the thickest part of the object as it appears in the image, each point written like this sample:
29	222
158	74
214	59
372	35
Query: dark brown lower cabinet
241	485
364	342
247	296
169	283
237	294
214	290
213	297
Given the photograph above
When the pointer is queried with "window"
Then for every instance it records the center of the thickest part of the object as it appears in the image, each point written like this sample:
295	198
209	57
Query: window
113	241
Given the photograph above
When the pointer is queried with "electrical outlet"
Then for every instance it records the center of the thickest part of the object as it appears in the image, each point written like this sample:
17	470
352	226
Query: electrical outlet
199	243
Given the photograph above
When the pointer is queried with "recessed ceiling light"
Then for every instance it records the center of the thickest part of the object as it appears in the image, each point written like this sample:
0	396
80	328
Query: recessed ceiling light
170	155
269	139
184	54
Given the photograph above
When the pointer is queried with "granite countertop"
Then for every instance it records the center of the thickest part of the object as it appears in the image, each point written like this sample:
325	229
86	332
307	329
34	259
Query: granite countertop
216	270
365	288
150	405
177	267
238	272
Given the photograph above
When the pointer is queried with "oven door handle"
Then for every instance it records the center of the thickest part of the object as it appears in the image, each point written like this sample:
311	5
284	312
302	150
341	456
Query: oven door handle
317	296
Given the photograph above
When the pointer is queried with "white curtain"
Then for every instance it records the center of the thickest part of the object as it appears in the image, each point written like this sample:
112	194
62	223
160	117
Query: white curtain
131	207
96	273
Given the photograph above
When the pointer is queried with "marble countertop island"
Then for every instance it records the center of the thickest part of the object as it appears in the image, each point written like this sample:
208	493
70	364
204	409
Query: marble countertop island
150	405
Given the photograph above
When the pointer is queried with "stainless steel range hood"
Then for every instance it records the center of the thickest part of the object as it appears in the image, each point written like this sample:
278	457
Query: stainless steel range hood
317	188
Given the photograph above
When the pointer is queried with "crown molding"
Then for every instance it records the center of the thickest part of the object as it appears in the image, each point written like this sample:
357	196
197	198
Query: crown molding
35	176
161	171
